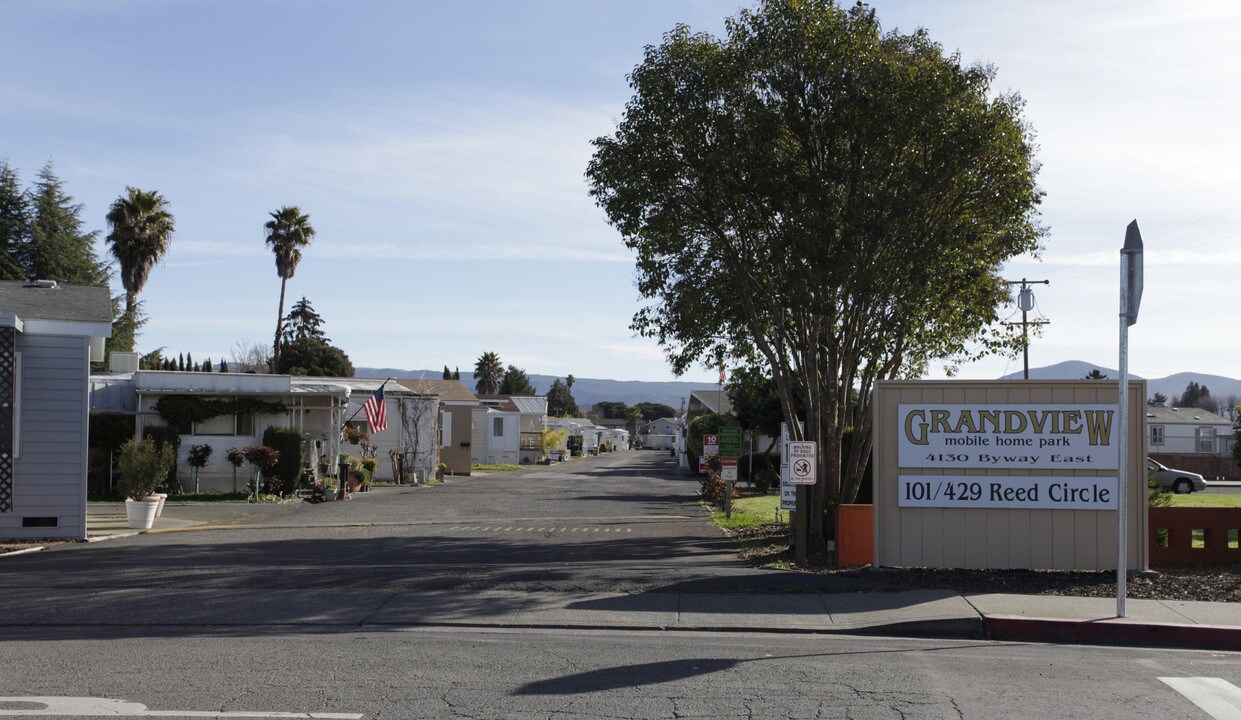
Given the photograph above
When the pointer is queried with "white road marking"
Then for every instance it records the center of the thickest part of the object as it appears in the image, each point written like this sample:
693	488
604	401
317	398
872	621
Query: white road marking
108	707
1216	697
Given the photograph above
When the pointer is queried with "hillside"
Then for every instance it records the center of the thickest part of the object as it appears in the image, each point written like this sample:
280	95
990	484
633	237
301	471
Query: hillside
588	391
1171	386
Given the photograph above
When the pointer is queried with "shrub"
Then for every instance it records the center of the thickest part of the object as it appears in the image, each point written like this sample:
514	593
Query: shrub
166	436
766	479
143	465
199	455
261	456
287	442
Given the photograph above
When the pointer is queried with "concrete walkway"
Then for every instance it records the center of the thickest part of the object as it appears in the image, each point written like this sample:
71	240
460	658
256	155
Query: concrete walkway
914	613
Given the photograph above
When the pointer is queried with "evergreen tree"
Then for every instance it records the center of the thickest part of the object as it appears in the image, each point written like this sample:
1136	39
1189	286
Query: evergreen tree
303	322
189	362
181	362
207	365
14	225
61	249
223	366
560	402
447	373
456	373
515	382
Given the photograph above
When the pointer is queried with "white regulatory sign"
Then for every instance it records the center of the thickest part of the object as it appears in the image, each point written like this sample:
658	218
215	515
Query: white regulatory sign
802	455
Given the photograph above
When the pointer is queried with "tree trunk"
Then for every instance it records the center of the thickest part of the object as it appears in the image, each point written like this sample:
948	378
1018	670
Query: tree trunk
275	352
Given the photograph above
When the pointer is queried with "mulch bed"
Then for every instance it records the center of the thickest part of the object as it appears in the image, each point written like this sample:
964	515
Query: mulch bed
768	544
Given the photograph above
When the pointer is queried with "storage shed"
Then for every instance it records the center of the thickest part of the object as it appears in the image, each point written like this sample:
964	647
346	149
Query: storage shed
49	334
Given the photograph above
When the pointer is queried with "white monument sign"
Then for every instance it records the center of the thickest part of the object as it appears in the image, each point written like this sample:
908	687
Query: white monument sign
1008	436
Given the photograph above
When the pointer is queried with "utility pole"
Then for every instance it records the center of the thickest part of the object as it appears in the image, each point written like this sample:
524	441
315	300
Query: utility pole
1025	301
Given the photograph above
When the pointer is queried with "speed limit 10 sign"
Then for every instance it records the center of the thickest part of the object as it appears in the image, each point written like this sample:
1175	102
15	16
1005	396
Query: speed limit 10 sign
802	455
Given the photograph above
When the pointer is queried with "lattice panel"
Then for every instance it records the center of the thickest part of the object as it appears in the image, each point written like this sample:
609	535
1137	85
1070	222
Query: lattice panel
8	397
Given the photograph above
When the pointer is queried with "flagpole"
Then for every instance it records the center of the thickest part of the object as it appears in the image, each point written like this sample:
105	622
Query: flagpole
355	412
342	472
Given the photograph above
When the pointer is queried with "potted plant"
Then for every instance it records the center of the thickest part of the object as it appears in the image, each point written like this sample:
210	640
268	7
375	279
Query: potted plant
143	466
198	457
440	470
236	458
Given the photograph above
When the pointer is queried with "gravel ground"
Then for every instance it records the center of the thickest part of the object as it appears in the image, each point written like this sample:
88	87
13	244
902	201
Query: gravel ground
768	544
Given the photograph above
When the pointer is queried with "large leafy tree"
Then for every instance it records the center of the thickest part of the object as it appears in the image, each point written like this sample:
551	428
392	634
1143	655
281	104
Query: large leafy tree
516	382
654	411
488	373
822	198
140	229
288	231
313	356
755	400
59	248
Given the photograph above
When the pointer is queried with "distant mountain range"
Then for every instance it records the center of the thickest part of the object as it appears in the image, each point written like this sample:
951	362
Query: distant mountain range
588	391
1172	386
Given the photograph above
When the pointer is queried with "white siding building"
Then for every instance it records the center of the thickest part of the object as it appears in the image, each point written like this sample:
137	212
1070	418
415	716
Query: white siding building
1187	431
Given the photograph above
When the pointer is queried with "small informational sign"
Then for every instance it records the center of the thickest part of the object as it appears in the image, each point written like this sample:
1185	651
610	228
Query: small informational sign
710	446
788	495
728	469
1008	436
730	442
1011	492
802	457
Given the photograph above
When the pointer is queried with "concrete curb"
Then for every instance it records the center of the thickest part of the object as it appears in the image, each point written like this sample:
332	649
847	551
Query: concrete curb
1112	632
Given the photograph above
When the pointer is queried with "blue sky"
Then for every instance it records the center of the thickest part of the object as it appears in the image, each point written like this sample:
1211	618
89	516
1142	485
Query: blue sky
439	149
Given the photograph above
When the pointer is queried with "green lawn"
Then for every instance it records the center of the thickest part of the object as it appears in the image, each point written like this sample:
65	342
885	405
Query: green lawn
752	511
496	467
1202	500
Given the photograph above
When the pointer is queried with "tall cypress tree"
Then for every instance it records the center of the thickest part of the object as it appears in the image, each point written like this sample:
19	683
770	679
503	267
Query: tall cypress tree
61	249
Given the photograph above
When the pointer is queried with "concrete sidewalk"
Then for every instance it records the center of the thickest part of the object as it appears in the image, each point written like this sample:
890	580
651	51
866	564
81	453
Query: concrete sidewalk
912	613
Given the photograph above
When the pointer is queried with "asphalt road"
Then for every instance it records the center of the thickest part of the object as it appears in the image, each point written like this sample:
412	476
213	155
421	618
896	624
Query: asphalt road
623	522
613	675
266	616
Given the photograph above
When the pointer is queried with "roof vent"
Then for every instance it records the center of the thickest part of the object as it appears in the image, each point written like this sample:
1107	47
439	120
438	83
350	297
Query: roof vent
50	284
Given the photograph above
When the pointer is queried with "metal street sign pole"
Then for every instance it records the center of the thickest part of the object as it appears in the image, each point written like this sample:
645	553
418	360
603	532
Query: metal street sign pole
1130	300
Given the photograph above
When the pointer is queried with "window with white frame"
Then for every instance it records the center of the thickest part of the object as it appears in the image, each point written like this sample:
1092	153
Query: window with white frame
497	427
226	425
1156	434
1206	439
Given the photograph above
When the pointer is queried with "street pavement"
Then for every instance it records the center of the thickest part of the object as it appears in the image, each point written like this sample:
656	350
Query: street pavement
617	541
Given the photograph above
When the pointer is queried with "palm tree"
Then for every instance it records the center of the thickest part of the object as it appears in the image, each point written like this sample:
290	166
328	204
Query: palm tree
488	372
140	230
288	232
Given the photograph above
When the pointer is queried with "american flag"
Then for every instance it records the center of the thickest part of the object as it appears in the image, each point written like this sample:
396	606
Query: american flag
376	416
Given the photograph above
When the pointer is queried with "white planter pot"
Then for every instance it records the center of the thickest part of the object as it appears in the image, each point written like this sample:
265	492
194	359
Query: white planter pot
159	511
141	513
